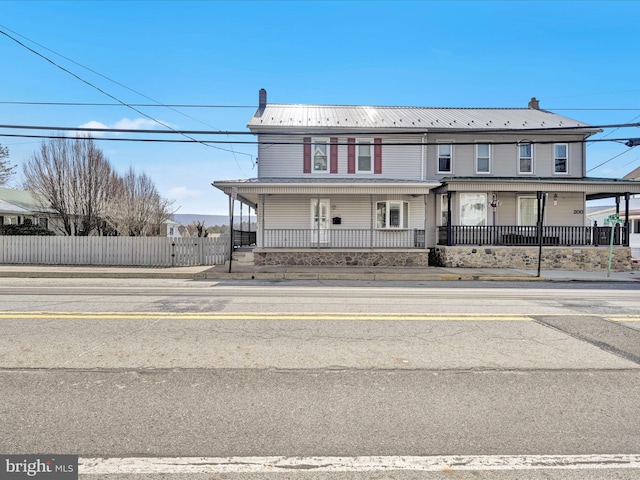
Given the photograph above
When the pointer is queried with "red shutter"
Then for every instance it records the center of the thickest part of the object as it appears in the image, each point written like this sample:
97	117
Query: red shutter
306	164
351	155
334	155
377	155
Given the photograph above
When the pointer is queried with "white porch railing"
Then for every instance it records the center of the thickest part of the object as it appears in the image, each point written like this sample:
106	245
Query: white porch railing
343	238
121	251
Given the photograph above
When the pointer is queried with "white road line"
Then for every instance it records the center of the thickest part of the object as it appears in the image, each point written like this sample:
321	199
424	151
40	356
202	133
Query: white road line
193	465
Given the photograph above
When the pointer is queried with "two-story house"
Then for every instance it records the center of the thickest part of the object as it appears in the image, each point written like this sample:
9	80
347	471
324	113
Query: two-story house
360	185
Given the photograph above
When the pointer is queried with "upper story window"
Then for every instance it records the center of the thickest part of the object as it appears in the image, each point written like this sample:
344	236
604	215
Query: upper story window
392	214
561	158
320	154
445	158
364	155
483	158
525	158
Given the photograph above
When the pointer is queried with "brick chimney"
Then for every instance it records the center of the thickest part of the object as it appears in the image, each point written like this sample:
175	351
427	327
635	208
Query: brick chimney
533	103
262	99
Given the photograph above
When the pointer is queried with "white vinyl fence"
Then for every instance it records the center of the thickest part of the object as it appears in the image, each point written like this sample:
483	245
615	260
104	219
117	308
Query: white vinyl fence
132	251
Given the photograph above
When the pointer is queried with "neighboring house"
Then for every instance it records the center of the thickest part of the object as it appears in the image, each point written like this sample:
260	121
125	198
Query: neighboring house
173	229
18	207
359	185
599	215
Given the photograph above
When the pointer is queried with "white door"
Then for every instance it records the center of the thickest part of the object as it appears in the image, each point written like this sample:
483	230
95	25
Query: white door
320	221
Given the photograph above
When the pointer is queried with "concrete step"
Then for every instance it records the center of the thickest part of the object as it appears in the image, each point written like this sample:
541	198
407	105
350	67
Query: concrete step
245	258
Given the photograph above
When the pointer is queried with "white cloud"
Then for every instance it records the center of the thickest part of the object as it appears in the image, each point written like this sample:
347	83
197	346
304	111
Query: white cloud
125	124
91	124
136	123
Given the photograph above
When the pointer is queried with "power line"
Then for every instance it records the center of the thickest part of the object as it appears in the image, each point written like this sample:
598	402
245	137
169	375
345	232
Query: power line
192	105
298	142
157	104
101	90
324	133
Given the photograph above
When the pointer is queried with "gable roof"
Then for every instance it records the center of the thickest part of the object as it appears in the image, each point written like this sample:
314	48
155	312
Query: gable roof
634	175
274	116
21	200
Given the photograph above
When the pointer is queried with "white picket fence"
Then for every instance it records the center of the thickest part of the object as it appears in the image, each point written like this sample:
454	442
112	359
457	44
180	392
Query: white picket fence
131	251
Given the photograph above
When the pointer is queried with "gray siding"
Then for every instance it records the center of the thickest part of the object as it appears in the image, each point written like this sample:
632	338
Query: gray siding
504	156
406	162
568	212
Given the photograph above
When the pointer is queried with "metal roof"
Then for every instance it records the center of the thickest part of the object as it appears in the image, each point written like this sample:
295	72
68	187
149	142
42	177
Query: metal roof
290	116
22	199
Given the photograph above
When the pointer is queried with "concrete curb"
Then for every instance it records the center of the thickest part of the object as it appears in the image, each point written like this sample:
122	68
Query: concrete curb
207	273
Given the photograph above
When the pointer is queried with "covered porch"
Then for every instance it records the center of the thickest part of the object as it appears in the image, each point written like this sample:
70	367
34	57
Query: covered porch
526	212
336	213
339	221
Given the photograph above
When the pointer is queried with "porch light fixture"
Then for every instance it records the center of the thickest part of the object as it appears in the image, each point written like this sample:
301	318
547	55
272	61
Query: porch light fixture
555	199
495	202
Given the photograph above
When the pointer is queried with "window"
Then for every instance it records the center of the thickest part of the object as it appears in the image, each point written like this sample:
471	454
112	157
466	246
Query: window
364	155
43	222
445	158
392	214
473	209
560	158
525	158
483	156
320	154
444	209
527	211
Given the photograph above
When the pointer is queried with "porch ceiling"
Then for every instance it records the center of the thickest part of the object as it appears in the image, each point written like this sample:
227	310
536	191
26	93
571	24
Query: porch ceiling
592	187
251	189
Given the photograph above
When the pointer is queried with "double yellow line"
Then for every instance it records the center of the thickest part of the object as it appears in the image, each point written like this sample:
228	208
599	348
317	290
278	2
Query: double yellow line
294	316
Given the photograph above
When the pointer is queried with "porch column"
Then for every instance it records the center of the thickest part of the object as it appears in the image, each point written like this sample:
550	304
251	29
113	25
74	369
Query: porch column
449	229
263	220
426	195
371	220
627	238
318	222
231	240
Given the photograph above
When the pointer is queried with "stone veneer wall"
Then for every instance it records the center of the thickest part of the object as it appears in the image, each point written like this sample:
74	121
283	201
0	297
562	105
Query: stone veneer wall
342	258
553	258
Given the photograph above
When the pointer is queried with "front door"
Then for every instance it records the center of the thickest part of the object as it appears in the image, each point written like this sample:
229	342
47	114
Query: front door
320	221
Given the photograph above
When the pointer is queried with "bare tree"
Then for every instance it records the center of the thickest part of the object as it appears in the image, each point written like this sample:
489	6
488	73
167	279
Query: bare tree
137	209
6	169
74	178
198	228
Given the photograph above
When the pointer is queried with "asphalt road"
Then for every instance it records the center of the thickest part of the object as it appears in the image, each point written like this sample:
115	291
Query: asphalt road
174	369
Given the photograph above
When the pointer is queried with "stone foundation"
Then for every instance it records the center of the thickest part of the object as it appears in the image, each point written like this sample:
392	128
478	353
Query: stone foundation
341	258
553	258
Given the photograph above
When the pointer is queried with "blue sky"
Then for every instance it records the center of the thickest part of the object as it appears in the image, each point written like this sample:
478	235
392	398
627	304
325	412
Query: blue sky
579	58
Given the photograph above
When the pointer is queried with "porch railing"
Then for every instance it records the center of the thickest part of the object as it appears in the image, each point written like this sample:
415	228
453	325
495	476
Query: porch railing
523	236
243	238
343	238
